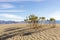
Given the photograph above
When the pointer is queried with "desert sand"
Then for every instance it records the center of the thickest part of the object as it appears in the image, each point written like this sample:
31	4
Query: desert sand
23	32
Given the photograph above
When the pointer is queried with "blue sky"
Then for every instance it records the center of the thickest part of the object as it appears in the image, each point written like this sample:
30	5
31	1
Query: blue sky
17	10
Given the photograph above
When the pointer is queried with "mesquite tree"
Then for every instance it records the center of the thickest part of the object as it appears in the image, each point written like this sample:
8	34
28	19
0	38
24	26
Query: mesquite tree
52	22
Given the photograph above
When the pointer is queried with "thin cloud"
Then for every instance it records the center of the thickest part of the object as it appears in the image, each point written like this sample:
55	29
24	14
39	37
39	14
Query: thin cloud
12	10
6	5
18	0
11	17
55	15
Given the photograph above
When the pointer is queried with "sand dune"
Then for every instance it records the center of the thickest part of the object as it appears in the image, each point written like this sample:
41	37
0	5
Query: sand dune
21	32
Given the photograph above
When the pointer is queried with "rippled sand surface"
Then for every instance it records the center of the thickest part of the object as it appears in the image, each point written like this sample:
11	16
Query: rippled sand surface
16	33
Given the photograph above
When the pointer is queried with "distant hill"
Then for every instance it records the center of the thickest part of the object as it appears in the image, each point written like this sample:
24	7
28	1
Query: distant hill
10	22
7	22
57	21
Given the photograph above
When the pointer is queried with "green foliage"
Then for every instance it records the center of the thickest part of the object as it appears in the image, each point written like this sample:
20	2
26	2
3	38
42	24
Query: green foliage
33	19
52	19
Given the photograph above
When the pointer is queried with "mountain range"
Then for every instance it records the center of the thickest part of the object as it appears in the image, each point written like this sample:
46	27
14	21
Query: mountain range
7	22
11	22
